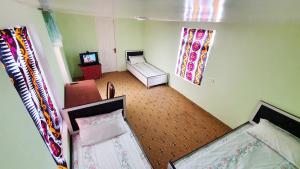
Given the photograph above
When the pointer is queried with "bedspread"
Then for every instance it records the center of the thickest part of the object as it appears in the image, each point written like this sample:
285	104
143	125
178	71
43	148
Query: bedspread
240	151
122	152
147	70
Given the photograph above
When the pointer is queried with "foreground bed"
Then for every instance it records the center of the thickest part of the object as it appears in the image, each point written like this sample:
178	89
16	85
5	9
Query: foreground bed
251	145
122	151
148	74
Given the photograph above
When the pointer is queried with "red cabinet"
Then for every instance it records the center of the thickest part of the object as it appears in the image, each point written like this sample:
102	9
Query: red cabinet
91	71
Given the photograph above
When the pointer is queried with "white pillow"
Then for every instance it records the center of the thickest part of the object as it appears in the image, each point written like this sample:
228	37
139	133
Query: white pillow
98	119
136	59
100	128
278	139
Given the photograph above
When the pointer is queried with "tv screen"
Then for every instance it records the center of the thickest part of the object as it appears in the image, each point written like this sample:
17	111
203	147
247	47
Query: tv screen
89	58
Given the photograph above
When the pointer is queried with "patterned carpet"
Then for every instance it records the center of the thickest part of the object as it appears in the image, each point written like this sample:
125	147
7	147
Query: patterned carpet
167	124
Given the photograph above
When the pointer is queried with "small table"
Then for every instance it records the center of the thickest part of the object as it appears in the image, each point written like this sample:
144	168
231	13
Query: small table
81	93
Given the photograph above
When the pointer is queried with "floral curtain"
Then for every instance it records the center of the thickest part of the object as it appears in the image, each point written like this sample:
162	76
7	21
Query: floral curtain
18	57
193	54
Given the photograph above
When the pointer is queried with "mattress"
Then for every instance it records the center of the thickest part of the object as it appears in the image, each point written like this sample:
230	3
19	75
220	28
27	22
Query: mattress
237	150
122	152
147	69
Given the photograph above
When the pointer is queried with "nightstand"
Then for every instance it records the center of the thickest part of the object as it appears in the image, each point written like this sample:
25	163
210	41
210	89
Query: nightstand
91	71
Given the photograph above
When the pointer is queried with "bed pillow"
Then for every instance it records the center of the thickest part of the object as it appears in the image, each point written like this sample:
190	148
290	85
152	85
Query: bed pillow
98	119
286	144
137	59
100	128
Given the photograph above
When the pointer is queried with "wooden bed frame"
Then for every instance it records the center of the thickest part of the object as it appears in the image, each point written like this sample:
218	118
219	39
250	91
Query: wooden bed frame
263	110
97	108
147	81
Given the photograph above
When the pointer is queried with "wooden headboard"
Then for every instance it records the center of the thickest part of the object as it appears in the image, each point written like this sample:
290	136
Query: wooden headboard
102	107
133	53
278	117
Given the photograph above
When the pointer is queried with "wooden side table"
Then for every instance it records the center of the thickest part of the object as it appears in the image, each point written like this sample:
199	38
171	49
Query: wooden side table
80	93
91	71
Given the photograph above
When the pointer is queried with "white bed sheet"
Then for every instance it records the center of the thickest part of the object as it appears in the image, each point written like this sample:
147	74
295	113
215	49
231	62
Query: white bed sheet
239	150
147	69
122	152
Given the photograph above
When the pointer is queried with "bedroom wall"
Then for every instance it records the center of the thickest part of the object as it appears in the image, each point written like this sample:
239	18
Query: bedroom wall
129	36
247	63
79	35
21	145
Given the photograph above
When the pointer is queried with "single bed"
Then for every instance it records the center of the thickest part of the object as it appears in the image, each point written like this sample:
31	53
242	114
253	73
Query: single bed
241	148
120	152
148	74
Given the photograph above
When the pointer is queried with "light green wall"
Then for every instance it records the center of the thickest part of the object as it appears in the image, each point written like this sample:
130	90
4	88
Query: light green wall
129	36
79	35
21	145
248	62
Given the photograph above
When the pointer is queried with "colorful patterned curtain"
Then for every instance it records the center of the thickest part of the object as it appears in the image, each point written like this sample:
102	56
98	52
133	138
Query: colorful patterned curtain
193	54
18	56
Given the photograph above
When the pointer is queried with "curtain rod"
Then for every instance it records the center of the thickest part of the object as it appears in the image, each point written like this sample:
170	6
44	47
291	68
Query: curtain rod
44	9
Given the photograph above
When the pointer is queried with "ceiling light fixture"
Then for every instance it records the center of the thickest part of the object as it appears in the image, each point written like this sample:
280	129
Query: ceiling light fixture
141	18
203	10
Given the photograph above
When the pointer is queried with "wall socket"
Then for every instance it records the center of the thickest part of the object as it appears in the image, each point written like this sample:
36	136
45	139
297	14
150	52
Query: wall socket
211	81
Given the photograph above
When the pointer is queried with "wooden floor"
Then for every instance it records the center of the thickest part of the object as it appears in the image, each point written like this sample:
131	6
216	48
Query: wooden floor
167	124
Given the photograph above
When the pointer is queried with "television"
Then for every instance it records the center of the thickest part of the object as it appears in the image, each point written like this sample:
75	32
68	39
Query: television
89	58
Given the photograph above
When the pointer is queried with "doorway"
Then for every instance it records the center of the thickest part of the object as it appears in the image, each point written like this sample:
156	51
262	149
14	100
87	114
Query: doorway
107	46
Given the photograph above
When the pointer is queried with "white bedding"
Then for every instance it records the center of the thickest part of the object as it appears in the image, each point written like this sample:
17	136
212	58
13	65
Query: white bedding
122	152
147	69
238	151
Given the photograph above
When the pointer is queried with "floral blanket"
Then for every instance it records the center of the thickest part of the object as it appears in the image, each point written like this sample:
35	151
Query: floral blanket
122	152
237	151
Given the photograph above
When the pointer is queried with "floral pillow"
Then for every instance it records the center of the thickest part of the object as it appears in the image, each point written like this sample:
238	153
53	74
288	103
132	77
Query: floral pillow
98	119
96	129
284	143
137	59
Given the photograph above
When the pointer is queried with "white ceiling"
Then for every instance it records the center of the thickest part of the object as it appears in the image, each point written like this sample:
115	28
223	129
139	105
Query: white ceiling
184	10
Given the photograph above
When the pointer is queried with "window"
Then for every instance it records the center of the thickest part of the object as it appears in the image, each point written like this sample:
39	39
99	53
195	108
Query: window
193	54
